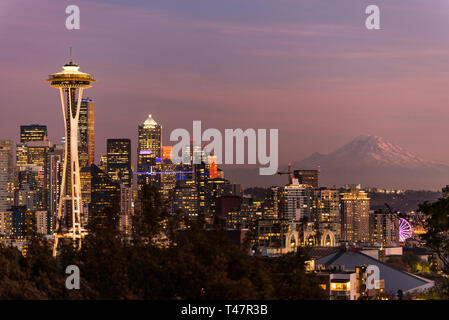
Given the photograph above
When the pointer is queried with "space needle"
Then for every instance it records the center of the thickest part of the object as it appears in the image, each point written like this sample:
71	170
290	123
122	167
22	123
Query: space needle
71	82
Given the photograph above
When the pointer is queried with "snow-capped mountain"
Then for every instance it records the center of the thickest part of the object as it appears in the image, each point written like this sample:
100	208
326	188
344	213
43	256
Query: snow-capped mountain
373	161
367	160
368	151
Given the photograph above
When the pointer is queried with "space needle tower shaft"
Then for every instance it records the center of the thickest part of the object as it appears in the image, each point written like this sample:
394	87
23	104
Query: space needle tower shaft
71	83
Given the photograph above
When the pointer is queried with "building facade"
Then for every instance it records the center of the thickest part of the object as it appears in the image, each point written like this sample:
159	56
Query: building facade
6	174
355	216
119	161
87	133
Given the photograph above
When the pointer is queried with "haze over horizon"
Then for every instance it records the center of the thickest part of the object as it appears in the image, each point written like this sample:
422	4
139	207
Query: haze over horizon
308	68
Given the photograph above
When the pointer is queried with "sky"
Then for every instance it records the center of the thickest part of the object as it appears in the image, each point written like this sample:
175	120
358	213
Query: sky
309	68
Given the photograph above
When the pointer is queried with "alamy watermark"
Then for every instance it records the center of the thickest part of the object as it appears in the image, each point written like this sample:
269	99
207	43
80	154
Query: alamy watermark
372	277
73	280
256	142
73	20
373	20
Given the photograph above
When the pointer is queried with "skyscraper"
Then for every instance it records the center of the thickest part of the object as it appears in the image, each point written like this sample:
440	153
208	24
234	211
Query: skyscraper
355	216
6	174
384	229
185	198
309	177
105	195
149	149
119	161
71	83
326	211
87	133
53	177
33	132
295	202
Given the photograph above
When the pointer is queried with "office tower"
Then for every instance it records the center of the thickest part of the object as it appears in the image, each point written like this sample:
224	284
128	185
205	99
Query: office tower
169	178
86	179
31	160
148	150
308	177
37	152
185	198
384	229
295	202
126	209
105	194
200	177
6	174
70	82
21	155
355	216
33	132
87	133
53	177
119	161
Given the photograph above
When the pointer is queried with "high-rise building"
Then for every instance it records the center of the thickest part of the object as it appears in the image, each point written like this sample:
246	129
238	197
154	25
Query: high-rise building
326	211
87	133
33	132
70	82
149	149
168	180
53	177
295	202
16	218
185	198
119	161
308	177
31	159
384	230
43	222
355	216
105	193
6	174
126	209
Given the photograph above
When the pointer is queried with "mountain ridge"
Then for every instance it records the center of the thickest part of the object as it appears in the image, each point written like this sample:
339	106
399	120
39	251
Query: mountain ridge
367	160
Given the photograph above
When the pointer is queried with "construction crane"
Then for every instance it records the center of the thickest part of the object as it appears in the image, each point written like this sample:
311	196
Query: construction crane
290	173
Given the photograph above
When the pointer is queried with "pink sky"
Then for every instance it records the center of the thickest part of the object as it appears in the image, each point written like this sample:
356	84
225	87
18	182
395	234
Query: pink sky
308	68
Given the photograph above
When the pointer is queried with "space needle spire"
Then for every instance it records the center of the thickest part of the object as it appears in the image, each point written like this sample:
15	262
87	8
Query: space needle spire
71	82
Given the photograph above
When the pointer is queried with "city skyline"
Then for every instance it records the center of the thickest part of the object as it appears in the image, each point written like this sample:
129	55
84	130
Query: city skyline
393	89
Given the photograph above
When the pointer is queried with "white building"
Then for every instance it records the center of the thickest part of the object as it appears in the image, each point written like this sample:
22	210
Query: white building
296	201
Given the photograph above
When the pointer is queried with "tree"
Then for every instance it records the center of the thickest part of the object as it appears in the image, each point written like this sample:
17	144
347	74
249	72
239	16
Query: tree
437	225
